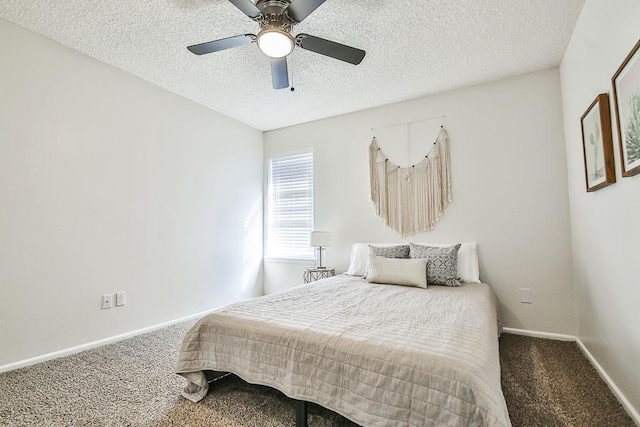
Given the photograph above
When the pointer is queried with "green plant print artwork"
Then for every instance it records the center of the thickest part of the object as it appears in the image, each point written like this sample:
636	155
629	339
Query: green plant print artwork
632	129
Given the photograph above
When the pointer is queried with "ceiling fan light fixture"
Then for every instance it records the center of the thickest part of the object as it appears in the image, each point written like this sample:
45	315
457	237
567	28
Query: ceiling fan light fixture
275	43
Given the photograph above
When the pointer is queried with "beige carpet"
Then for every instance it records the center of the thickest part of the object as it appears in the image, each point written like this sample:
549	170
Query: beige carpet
131	383
551	383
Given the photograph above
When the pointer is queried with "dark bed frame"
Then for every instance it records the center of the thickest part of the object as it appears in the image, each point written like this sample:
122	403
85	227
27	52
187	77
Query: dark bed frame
301	413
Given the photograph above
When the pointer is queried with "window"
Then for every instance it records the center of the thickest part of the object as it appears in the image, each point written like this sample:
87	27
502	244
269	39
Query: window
290	205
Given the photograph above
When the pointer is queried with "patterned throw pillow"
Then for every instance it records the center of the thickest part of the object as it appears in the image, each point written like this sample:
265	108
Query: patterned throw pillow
442	268
400	251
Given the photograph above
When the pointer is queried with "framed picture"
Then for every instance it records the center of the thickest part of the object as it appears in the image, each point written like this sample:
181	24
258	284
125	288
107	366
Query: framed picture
626	97
597	146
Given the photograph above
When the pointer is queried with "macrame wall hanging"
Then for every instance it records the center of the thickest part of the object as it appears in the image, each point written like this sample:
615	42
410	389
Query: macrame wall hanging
411	199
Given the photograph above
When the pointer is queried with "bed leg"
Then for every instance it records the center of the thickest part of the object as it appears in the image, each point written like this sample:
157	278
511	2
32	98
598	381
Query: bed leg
301	413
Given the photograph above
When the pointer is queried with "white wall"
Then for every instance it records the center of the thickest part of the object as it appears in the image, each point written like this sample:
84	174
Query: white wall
605	224
108	183
509	187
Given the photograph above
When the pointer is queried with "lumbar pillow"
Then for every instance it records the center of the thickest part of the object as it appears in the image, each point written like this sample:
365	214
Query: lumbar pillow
443	263
398	271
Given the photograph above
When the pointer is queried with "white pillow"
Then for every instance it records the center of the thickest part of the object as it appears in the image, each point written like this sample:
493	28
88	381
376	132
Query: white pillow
398	271
468	268
360	257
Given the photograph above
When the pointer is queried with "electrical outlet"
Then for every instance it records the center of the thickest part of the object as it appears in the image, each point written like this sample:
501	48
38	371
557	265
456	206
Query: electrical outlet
525	296
121	298
107	301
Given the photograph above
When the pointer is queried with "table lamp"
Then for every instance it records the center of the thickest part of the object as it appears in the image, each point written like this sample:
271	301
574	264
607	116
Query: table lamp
321	240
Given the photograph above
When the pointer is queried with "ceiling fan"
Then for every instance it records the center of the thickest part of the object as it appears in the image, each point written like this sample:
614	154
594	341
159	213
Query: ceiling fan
276	19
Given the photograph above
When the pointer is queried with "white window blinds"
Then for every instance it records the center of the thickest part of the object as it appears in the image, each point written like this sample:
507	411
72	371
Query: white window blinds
290	206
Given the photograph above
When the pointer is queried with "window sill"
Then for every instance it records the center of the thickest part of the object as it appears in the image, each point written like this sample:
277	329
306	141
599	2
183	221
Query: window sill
290	260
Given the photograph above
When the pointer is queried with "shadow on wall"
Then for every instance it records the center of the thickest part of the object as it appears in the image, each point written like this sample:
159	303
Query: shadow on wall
252	252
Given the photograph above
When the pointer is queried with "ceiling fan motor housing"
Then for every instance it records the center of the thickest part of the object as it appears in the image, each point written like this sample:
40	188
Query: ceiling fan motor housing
274	15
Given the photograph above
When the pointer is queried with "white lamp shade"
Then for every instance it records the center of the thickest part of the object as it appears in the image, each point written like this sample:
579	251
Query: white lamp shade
320	238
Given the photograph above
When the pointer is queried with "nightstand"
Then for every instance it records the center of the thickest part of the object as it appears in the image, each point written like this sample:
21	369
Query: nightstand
312	274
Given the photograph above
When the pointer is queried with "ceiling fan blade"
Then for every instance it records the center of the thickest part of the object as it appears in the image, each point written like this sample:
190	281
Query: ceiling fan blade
248	7
222	44
300	9
327	47
279	73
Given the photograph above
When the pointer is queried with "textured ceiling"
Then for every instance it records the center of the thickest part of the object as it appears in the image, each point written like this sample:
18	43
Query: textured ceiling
414	48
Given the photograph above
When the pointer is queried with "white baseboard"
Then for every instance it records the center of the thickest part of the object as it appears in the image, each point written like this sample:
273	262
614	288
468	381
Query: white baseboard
605	377
94	344
538	334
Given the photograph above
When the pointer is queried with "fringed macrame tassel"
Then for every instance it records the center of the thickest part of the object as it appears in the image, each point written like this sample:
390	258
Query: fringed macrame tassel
411	199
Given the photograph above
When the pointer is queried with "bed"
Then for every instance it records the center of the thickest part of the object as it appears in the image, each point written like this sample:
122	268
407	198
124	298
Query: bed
377	354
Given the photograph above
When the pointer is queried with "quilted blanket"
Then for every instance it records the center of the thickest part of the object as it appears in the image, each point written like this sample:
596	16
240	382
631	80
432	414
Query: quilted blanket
377	354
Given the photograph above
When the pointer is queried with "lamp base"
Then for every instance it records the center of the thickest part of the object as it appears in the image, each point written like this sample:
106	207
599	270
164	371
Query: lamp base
319	263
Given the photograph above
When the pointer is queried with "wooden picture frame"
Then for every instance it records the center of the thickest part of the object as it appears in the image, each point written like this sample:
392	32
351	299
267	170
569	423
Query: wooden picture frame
597	144
626	99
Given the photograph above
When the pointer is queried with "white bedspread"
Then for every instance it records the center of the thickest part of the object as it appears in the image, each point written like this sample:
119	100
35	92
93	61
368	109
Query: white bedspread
379	355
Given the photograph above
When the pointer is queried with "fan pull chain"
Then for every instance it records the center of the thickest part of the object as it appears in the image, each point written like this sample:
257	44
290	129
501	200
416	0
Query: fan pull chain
292	88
